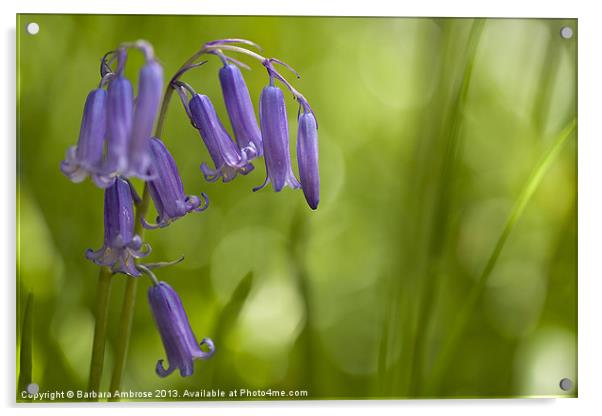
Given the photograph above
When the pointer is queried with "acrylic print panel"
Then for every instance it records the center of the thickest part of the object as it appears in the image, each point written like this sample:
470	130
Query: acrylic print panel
422	243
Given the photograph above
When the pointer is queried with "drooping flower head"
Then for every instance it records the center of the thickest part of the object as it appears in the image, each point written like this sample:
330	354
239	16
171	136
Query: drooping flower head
274	130
121	246
150	88
85	158
240	110
226	157
181	346
166	188
307	158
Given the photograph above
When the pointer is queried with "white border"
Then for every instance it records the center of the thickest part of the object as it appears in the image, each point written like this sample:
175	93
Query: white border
590	207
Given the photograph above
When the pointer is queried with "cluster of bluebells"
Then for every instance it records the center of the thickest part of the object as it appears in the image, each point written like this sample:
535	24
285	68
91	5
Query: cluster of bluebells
269	138
116	145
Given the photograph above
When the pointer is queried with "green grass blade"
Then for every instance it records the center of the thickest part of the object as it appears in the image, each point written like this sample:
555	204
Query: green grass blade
216	369
234	306
523	199
26	347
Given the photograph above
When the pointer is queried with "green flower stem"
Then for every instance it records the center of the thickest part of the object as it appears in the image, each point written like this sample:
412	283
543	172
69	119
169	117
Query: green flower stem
125	331
169	92
100	330
163	111
128	306
466	313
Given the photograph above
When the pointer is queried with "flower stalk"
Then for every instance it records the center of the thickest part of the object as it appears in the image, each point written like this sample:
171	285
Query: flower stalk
132	151
100	329
128	306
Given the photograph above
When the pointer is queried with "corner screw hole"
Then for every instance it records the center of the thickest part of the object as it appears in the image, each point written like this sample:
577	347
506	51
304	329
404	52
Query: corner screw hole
566	384
32	28
566	32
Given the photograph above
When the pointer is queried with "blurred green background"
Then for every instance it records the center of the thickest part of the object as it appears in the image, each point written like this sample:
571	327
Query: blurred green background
429	129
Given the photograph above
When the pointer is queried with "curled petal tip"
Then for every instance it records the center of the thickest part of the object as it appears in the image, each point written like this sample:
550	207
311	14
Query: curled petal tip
210	347
162	371
247	169
203	203
89	254
263	185
211	175
142	251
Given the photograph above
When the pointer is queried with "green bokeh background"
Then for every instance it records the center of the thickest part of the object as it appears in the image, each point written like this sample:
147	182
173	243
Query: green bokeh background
423	152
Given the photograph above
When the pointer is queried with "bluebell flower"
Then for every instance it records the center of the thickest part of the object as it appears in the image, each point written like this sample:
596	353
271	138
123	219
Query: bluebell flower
86	157
121	246
166	188
240	110
120	109
226	157
150	88
274	131
307	158
181	346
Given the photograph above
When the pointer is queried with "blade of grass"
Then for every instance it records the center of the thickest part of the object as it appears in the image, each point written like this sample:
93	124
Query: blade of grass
304	345
226	321
26	347
234	306
447	351
438	228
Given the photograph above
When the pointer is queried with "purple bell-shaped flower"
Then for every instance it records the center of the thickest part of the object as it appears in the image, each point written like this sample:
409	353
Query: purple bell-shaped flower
274	129
121	246
150	88
85	159
120	114
226	157
307	158
166	188
181	346
240	110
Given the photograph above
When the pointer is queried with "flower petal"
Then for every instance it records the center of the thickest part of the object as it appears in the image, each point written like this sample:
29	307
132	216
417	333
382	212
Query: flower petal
240	110
162	371
150	88
274	130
